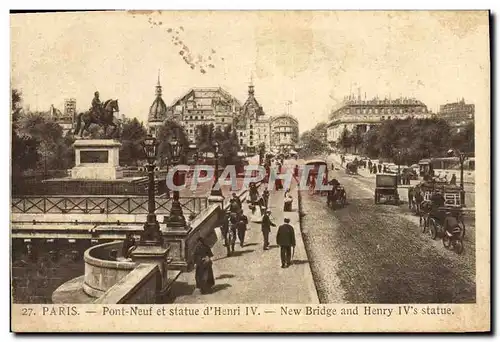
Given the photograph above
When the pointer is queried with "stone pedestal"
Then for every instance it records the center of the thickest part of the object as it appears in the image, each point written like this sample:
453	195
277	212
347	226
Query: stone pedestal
153	255
97	159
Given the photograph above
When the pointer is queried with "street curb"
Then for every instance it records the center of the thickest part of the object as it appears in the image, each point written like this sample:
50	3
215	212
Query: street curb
311	284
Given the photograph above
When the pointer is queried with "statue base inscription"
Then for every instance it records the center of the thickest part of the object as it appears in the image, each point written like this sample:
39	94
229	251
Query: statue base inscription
96	159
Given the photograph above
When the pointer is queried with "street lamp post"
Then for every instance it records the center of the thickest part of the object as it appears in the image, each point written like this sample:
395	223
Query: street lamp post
151	234
176	218
216	191
461	157
399	167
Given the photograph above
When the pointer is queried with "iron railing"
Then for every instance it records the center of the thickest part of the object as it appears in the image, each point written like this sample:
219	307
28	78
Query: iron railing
101	204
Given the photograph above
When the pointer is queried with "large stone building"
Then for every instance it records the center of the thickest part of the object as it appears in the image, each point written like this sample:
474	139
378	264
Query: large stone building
355	113
197	107
284	132
457	114
252	124
204	106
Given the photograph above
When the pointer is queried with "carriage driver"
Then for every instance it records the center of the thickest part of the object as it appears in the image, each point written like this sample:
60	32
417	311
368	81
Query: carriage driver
96	105
437	201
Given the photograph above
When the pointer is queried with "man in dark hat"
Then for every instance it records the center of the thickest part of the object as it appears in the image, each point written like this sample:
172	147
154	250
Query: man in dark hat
266	228
285	238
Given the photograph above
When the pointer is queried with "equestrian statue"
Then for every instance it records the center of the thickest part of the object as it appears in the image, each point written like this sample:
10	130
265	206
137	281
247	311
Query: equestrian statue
101	114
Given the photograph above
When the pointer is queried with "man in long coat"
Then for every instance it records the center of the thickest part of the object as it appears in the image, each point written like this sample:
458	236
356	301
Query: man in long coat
285	238
266	228
204	274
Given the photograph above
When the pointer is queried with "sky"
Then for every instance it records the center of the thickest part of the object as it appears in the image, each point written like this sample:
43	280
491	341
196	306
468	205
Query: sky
312	59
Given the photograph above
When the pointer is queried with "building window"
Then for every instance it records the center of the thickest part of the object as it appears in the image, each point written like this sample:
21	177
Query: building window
241	134
389	117
241	141
383	117
222	119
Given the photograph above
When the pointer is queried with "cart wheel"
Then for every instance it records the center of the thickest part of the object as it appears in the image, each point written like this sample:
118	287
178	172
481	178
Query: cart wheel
432	230
459	246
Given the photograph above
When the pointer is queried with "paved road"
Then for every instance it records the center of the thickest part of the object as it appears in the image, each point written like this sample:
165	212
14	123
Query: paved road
376	253
253	275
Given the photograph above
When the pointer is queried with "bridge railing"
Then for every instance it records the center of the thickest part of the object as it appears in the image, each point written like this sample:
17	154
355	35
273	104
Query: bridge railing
101	204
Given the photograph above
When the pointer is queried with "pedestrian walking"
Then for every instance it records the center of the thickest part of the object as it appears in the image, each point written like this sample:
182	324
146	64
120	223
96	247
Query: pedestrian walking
453	180
224	229
233	226
242	228
266	228
265	196
237	200
204	274
285	238
379	166
287	203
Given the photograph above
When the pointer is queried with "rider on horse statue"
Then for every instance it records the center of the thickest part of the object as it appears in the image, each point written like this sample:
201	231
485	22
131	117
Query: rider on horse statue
96	106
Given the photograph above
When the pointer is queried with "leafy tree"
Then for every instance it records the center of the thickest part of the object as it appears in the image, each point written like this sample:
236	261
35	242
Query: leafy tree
312	144
24	154
356	139
167	132
345	139
464	139
132	136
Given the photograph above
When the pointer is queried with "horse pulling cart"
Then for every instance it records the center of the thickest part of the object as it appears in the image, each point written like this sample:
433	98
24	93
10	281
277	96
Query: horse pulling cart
451	215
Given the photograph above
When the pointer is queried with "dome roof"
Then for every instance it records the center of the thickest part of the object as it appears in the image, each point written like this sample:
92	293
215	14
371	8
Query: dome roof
158	110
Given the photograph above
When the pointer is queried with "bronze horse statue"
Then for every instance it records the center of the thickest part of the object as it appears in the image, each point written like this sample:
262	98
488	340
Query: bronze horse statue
105	119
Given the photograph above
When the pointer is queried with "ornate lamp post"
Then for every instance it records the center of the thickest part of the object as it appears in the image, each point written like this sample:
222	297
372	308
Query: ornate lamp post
176	218
461	157
399	167
214	191
151	234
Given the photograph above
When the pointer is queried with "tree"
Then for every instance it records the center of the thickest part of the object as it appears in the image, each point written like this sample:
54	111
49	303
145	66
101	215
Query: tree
356	139
132	136
345	139
463	140
23	151
312	144
169	130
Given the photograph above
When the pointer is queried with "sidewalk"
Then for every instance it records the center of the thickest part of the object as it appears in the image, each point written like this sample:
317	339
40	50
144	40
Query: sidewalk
253	275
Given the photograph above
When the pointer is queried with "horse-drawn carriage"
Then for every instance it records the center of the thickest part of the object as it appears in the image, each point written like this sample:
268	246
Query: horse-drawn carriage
314	175
386	187
351	168
336	196
451	214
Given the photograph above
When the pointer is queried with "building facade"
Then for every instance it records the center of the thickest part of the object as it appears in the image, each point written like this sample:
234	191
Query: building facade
362	115
457	114
204	106
252	124
284	132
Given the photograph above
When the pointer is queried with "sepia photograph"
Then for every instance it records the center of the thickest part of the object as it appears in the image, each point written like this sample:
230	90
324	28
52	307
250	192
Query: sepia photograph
250	166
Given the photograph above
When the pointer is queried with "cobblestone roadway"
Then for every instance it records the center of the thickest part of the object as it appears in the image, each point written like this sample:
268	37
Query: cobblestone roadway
376	253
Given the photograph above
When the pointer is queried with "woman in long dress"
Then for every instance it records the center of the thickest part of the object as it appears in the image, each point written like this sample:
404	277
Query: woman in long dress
204	274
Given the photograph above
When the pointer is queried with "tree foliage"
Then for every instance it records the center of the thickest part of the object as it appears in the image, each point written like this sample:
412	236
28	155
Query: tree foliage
132	136
414	139
313	142
167	132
